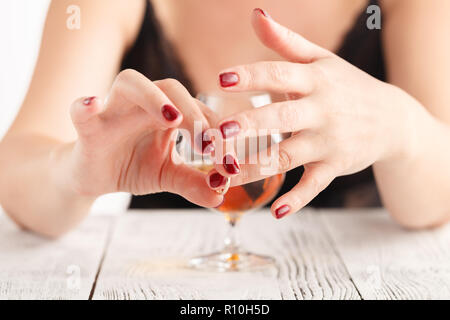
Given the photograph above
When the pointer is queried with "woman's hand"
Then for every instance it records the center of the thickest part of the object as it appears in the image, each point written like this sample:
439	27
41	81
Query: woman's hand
342	119
125	144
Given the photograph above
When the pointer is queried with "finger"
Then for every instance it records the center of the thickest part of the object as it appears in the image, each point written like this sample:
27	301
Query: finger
300	149
211	116
217	182
271	76
190	183
131	88
227	165
84	112
194	120
284	41
314	180
287	116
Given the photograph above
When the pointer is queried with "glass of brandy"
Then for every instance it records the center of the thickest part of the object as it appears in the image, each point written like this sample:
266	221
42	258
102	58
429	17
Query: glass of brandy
242	199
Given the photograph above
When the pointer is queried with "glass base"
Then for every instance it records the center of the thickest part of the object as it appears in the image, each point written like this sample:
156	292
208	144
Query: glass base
225	261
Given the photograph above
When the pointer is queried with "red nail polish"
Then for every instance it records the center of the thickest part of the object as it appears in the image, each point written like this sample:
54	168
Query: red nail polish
282	211
228	79
88	101
204	142
216	180
231	165
263	12
169	112
230	129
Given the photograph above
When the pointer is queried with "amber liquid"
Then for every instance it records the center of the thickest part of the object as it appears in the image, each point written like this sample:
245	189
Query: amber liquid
247	197
250	196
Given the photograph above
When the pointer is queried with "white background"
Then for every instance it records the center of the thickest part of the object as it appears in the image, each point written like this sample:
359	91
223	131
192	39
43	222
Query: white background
21	24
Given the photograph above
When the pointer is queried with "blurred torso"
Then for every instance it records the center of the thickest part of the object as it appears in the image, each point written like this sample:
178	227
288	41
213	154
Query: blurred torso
210	36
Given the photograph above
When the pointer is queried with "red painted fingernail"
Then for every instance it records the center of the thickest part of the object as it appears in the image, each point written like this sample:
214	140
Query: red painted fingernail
228	79
88	101
231	165
205	143
216	180
230	129
169	112
282	211
261	11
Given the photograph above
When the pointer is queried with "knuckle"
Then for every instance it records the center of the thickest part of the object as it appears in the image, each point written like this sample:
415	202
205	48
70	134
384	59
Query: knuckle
316	184
126	75
284	159
289	115
247	76
318	75
321	179
121	85
276	72
245	121
170	84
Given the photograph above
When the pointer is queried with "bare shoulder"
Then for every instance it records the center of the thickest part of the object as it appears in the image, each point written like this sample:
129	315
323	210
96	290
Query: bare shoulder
413	6
124	14
81	50
415	34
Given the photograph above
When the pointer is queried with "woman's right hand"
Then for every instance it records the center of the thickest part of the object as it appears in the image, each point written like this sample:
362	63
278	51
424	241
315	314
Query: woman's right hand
126	143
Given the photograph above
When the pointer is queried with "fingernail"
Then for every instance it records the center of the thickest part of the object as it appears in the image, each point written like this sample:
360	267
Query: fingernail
169	112
230	129
205	143
228	79
263	12
231	165
282	211
88	101
208	148
221	203
216	180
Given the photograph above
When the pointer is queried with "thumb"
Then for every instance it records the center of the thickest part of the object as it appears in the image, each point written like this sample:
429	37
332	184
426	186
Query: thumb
84	113
178	177
284	41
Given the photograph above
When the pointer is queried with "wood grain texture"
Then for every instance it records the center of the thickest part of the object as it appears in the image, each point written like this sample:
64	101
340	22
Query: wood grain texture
142	255
32	267
148	254
387	262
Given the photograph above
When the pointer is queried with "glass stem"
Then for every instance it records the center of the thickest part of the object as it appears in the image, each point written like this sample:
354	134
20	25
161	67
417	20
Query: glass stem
232	239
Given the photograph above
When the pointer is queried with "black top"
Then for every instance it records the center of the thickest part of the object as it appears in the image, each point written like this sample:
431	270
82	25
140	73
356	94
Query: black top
151	55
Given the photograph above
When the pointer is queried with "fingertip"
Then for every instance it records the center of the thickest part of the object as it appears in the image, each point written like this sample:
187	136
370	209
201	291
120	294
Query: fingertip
220	203
88	101
258	12
230	165
203	143
261	17
85	108
281	210
211	200
91	104
171	115
218	182
228	79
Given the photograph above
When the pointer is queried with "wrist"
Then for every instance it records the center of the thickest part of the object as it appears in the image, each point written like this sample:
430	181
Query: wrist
409	123
65	173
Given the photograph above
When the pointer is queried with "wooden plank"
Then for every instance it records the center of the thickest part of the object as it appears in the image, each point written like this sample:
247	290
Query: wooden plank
388	262
148	254
32	267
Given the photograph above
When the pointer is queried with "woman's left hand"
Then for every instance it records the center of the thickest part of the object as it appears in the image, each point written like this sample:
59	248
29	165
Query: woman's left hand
342	119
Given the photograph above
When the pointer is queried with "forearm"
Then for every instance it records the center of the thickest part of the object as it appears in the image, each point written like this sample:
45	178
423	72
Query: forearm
35	186
415	187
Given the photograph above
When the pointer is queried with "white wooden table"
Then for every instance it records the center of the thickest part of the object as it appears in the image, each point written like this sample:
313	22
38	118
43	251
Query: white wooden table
142	255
